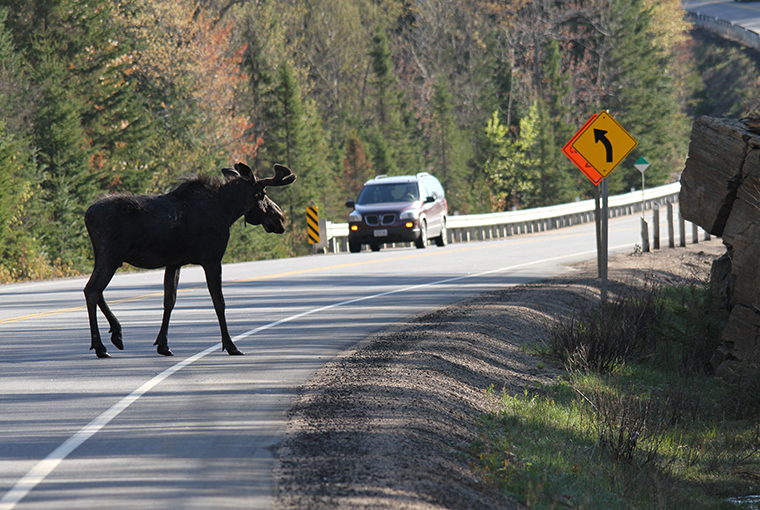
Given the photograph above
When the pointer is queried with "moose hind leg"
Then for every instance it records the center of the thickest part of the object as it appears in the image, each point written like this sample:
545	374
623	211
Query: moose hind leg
214	282
93	293
113	322
171	280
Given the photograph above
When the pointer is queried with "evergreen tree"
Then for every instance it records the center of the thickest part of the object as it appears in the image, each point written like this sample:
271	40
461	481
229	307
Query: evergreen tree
449	150
639	92
392	130
296	139
15	153
559	177
512	166
63	152
87	117
544	152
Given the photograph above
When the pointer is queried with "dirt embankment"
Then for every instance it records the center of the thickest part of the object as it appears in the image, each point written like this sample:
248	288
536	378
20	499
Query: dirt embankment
388	423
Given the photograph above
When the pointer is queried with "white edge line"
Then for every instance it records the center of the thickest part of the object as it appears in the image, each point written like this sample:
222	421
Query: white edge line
46	466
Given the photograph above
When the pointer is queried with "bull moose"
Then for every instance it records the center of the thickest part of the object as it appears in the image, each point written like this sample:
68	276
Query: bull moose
189	225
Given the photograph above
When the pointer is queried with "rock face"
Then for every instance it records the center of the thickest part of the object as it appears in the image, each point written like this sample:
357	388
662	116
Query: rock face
720	192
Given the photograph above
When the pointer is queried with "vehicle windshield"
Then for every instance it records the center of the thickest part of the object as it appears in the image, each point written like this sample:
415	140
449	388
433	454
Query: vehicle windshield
377	193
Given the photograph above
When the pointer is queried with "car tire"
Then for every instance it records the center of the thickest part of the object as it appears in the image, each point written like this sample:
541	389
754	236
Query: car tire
421	241
354	247
374	247
442	240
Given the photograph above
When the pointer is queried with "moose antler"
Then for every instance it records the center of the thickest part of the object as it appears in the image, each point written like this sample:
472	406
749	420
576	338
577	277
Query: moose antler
282	177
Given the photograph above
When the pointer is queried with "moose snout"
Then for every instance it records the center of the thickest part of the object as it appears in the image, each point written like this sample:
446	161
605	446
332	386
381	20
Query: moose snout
274	228
274	221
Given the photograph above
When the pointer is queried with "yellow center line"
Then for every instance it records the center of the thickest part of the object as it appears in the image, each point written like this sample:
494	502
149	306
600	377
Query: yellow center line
289	273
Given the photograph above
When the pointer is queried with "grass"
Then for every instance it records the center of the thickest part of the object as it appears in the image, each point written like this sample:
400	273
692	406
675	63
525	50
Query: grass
637	421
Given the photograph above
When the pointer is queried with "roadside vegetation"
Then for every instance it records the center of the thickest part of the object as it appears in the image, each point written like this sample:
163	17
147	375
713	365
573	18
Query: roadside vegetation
112	96
637	420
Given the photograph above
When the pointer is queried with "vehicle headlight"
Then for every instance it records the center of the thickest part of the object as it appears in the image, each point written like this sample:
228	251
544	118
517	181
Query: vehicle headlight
355	216
411	214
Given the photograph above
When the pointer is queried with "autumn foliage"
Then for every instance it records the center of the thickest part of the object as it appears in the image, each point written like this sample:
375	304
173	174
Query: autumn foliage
131	95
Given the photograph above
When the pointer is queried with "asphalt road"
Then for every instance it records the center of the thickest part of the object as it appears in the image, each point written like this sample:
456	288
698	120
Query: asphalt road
191	431
743	14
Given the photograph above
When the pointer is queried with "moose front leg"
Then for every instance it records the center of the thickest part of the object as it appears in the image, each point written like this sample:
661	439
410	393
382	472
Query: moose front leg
171	280
214	282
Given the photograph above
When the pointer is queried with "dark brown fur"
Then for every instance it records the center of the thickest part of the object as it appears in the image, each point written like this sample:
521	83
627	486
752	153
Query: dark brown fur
189	225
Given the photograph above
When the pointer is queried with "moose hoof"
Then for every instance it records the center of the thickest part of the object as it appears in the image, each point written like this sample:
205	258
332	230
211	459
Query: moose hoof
116	340
164	350
102	353
232	350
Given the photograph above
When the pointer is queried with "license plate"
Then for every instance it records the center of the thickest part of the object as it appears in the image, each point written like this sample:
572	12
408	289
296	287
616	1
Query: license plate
381	232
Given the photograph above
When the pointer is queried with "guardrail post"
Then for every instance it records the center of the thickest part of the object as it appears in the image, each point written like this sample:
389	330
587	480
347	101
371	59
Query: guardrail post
644	235
656	225
671	236
682	230
694	233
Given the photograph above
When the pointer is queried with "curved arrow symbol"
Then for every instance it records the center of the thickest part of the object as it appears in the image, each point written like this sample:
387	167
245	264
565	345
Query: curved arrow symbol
599	136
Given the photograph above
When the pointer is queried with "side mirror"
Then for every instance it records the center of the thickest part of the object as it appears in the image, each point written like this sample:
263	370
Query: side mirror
350	204
429	200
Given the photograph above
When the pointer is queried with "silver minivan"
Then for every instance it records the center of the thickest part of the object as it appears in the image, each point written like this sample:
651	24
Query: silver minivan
405	208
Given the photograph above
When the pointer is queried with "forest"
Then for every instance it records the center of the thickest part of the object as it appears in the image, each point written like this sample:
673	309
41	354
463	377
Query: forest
132	96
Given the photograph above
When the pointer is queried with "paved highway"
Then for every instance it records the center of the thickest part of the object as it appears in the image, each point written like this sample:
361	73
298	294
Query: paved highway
744	14
195	431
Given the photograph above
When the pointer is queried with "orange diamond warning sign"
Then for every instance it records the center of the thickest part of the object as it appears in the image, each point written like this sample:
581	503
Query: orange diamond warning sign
604	144
577	159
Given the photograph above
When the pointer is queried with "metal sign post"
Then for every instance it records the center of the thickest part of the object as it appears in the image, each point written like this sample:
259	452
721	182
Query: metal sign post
642	165
596	149
604	244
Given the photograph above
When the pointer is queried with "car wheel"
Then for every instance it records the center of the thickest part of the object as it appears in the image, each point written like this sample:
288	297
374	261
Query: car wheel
354	247
421	241
442	240
374	247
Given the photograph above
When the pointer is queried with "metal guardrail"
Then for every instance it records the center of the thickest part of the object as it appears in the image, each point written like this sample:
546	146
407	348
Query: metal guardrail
479	227
725	28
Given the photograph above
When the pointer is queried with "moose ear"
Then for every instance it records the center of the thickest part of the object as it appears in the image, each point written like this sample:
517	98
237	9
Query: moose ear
245	172
229	173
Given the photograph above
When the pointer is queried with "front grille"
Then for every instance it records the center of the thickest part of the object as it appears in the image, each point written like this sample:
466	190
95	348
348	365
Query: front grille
374	220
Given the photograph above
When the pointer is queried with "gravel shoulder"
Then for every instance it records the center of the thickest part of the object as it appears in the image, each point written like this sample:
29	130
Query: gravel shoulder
387	424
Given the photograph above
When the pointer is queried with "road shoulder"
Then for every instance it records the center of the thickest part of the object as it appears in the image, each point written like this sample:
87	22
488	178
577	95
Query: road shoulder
388	423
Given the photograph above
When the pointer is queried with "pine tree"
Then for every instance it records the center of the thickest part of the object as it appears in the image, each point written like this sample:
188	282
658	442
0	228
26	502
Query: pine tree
295	138
63	153
449	151
392	131
639	92
15	153
513	166
557	173
88	115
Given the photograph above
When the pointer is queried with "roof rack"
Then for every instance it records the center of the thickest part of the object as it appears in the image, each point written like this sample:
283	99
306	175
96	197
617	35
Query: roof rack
381	176
423	174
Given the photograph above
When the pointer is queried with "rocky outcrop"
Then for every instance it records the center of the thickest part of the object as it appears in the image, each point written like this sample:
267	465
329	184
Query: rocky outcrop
720	192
